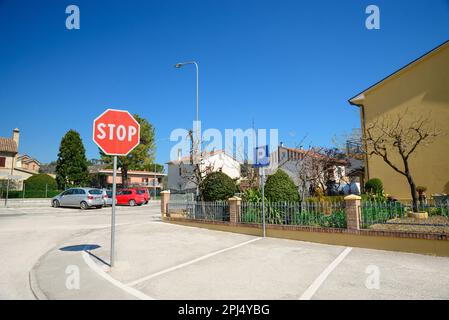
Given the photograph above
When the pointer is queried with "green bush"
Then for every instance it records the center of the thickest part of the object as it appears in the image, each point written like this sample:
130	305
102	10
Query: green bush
374	186
41	181
280	187
218	186
252	195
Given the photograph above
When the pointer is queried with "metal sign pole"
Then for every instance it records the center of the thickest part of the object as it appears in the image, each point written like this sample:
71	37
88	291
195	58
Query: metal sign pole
114	192
7	193
263	201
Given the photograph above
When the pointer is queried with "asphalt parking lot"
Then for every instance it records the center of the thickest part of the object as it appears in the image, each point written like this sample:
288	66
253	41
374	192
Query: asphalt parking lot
157	260
27	233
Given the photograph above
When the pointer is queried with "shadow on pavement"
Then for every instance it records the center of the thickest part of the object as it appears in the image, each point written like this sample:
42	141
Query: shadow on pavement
80	247
87	248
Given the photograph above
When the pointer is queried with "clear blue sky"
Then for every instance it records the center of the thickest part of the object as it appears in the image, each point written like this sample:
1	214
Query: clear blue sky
290	65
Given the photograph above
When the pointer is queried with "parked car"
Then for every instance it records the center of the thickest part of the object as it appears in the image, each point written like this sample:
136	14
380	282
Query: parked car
144	192
107	198
83	198
130	197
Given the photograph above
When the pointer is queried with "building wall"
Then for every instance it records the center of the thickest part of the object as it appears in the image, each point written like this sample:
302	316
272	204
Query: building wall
33	166
132	179
219	161
422	90
8	162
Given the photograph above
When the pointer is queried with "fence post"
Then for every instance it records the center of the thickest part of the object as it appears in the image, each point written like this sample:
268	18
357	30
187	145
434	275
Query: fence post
234	209
165	198
353	211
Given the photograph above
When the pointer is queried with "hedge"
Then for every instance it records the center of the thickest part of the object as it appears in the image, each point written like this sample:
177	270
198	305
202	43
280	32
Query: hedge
218	186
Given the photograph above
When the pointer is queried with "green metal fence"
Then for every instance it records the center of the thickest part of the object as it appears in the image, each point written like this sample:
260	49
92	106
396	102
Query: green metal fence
200	210
320	214
389	212
25	193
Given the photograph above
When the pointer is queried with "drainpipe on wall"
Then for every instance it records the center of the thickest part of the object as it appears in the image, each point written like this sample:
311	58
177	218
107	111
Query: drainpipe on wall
358	101
362	116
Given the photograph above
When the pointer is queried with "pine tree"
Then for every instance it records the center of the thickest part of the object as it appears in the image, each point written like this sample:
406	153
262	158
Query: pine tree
71	166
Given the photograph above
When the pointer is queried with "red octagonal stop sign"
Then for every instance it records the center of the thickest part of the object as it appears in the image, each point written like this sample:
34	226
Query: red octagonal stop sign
116	132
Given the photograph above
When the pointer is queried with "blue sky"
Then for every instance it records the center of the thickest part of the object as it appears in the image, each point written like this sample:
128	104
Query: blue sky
290	65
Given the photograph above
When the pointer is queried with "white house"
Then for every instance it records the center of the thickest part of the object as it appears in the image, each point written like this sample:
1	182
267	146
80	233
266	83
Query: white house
13	166
180	171
293	161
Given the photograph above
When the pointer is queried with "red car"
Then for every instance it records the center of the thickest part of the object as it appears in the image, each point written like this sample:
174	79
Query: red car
130	197
144	192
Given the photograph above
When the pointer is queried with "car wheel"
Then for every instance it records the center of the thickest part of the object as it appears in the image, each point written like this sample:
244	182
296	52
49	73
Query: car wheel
84	205
146	202
132	203
55	204
99	207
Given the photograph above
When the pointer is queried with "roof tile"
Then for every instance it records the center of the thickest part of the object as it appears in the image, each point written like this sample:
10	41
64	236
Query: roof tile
8	145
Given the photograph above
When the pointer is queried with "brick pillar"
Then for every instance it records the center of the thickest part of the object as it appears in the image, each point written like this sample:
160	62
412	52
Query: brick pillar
234	209
353	211
165	198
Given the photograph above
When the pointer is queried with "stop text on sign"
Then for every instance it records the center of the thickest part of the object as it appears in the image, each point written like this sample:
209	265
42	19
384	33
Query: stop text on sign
121	133
116	132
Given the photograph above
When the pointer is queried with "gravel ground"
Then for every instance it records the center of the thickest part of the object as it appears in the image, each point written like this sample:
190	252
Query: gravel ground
435	224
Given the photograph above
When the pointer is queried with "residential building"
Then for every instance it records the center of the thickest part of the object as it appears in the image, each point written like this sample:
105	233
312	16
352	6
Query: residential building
14	166
298	163
419	89
8	152
25	162
180	171
136	178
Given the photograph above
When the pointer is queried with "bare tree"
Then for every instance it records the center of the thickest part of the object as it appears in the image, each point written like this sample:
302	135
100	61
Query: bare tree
198	168
387	137
317	170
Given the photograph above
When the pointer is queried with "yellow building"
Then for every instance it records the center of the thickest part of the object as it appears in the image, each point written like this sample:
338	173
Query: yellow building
421	88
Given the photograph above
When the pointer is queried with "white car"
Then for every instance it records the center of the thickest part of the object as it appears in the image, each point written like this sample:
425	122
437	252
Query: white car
107	198
83	198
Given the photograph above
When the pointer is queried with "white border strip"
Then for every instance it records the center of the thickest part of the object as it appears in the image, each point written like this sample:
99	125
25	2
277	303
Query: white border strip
133	283
308	294
136	293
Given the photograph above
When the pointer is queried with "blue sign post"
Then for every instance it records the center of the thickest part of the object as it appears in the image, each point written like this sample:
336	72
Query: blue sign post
262	160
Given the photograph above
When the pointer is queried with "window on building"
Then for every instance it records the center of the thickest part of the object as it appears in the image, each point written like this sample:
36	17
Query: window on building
2	162
180	172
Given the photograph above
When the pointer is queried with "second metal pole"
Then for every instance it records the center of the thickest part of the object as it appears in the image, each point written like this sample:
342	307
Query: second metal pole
7	193
114	193
263	202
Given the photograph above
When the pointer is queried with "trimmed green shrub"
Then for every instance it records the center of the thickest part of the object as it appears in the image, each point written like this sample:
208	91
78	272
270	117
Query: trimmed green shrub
374	186
40	182
280	187
218	186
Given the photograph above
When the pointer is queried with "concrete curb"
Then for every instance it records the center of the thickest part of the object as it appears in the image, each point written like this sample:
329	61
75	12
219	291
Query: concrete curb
37	292
32	278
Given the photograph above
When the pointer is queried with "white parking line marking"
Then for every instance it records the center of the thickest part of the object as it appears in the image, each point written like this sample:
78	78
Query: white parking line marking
133	283
308	294
134	292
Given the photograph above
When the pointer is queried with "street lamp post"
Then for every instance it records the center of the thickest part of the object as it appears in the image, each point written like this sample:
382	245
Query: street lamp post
155	173
154	182
196	143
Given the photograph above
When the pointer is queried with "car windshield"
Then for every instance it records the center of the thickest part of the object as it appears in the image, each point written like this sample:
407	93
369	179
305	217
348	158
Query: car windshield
109	193
95	191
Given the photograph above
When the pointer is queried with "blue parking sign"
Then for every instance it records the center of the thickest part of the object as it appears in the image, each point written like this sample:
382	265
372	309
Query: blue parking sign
262	157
